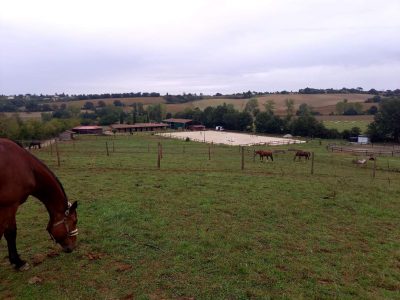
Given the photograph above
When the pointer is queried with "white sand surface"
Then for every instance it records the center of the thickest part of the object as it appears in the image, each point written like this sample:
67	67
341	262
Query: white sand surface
230	138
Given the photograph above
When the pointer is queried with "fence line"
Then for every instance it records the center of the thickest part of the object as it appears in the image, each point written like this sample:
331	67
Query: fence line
366	152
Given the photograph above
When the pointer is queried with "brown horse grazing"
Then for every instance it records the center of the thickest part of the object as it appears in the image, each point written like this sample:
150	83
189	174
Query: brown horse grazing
21	175
263	153
300	154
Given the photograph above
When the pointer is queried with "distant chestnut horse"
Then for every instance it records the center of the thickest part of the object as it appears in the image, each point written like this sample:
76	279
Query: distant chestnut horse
301	154
21	175
263	153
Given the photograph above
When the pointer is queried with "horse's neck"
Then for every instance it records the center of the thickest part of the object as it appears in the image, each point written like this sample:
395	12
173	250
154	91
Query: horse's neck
49	190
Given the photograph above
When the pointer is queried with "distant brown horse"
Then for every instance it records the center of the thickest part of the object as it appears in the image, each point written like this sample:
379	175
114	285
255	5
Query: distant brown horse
262	153
301	154
21	175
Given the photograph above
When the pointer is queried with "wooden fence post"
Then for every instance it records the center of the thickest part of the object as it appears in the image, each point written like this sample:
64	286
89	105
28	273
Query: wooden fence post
254	155
242	157
58	154
158	157
161	151
209	152
312	163
108	154
113	147
374	168
51	148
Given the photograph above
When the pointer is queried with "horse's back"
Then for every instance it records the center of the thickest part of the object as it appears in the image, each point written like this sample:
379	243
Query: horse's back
16	176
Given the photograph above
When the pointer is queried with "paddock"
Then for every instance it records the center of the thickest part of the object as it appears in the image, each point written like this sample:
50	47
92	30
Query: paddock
200	219
230	138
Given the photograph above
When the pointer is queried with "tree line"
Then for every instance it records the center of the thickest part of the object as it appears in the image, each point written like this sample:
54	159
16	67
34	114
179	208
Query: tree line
300	122
45	102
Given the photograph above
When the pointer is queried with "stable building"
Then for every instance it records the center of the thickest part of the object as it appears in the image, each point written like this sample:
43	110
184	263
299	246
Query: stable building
127	128
197	127
178	123
88	130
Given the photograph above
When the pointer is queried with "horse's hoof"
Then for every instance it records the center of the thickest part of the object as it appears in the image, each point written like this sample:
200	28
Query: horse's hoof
24	267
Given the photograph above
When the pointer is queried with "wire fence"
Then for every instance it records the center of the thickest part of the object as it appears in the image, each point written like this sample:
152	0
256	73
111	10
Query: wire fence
178	156
366	150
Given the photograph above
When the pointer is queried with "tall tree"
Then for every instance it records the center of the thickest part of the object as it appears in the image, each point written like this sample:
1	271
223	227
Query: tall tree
386	123
252	107
289	103
270	106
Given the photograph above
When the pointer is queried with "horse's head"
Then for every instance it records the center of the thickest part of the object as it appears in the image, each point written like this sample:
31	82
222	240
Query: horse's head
64	231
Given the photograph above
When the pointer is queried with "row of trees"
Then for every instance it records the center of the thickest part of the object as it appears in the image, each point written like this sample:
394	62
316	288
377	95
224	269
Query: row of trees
14	128
189	97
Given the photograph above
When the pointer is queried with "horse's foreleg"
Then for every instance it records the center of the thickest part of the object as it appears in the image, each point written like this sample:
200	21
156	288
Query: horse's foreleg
10	233
11	236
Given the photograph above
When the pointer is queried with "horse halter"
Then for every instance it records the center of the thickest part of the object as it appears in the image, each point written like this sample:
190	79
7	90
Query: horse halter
69	233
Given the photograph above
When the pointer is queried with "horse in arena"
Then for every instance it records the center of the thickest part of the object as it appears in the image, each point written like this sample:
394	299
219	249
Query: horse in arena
301	154
22	174
262	154
35	144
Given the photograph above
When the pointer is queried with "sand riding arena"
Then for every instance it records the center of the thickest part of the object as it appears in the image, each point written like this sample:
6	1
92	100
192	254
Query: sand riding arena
230	138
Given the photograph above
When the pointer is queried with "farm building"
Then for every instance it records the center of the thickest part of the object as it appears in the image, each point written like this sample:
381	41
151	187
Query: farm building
363	139
360	139
178	123
88	130
66	135
124	128
197	127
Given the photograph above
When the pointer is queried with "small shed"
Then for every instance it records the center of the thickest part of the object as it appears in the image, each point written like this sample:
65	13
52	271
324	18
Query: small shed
178	123
362	139
66	135
219	128
88	130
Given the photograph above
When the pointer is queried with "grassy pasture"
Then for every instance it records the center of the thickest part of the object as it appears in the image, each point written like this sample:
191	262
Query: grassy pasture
206	229
347	122
342	125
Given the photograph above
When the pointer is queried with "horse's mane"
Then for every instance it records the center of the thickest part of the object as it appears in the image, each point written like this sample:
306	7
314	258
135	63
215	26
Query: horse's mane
47	168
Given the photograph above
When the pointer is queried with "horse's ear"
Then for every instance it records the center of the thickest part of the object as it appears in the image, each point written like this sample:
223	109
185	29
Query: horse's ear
73	206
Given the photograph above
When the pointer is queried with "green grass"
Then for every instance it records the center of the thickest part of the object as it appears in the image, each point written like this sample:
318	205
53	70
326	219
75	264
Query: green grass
206	229
342	125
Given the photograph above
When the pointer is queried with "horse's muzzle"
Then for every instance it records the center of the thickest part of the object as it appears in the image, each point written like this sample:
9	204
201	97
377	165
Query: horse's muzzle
68	249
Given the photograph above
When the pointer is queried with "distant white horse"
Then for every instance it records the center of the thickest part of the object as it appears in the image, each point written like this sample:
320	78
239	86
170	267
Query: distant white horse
359	161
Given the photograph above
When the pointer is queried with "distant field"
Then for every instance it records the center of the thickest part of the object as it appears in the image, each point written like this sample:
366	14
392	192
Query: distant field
324	104
346	122
126	101
342	125
27	116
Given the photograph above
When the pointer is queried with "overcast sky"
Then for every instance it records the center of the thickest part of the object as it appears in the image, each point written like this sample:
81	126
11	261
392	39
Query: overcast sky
209	46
